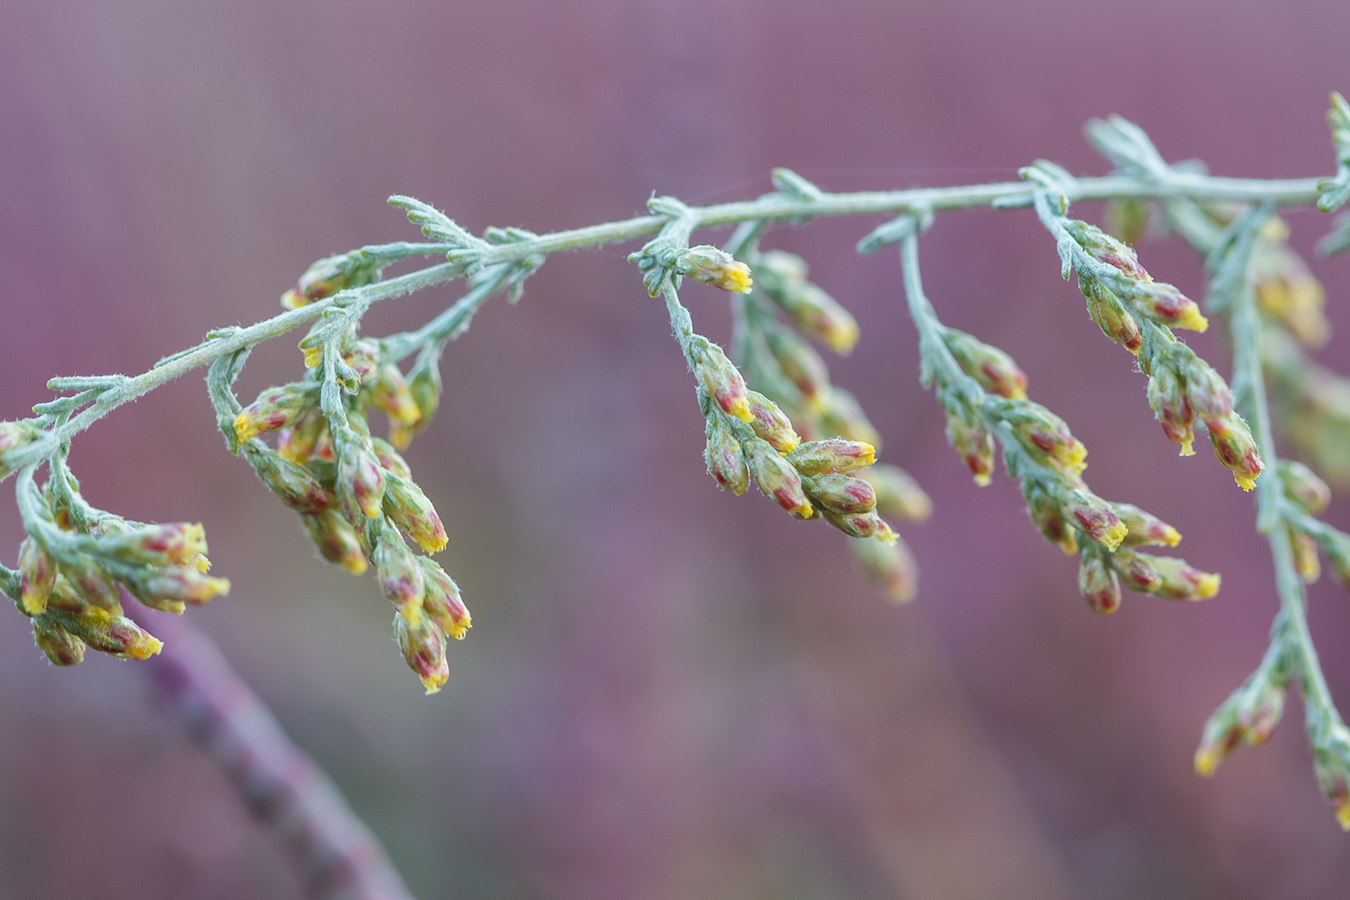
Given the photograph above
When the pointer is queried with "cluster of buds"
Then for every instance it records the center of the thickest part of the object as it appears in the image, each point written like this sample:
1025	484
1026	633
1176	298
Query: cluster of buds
356	497
1182	387
1308	496
891	567
327	276
1248	716
69	578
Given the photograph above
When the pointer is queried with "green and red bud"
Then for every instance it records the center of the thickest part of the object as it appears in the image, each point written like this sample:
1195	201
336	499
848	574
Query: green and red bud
408	508
390	393
170	587
1306	561
776	477
1095	516
991	367
12	436
390	459
1331	763
888	567
441	600
861	525
1098	584
423	647
1110	314
275	408
1248	716
1236	450
1286	289
87	579
1127	219
61	647
109	633
399	575
425	390
295	485
723	454
898	493
1105	248
1167	399
1180	581
1302	486
336	540
841	493
1046	436
771	424
298	442
709	265
720	380
833	455
37	576
360	477
1145	528
1164	304
1047	515
974	443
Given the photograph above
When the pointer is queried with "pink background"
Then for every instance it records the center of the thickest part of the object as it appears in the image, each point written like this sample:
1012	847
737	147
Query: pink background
670	691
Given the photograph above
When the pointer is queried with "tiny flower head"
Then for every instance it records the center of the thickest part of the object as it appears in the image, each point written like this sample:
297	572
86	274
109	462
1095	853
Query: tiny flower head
295	485
862	525
390	459
1048	516
37	576
1236	450
833	455
399	574
1248	716
972	440
841	493
1331	762
712	266
1145	528
1303	486
170	587
336	540
1110	314
991	367
390	393
441	600
720	380
275	408
360	477
801	365
770	423
1098	584
1167	399
1105	248
423	648
298	442
1095	516
1136	570
723	455
1306	562
1179	581
1045	435
109	633
425	389
61	647
1165	304
407	507
1207	394
776	477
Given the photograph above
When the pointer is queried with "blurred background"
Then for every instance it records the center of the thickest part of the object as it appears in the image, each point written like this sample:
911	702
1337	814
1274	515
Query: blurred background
669	691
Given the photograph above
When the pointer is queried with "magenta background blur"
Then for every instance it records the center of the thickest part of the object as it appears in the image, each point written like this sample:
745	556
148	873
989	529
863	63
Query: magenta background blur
669	691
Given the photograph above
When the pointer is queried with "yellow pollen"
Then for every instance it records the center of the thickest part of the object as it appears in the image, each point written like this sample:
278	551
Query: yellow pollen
983	479
1170	536
1187	448
1114	535
1246	482
245	429
1192	320
1207	586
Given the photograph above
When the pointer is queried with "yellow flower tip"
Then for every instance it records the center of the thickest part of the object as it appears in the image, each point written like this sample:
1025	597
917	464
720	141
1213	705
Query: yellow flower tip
1069	545
433	543
293	299
844	338
313	356
1072	456
400	435
1170	536
1114	535
1187	447
33	604
458	628
1343	814
740	408
1207	586
805	511
887	537
1206	762
245	429
1192	320
201	563
736	278
146	648
355	563
983	479
1017	393
1246	482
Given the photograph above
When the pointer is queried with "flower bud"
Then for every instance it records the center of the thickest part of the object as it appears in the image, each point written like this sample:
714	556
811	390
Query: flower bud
360	477
1236	451
1165	304
391	394
115	635
1104	248
1287	291
1180	581
61	647
37	576
841	493
1045	436
12	436
723	455
898	494
974	443
441	600
363	357
173	543
712	266
1127	218
888	567
842	416
770	424
408	508
1331	763
1248	716
1336	545
1303	486
1047	515
88	579
275	408
423	647
1306	562
1145	528
1095	516
1110	314
776	478
720	380
1207	394
336	540
1136	570
297	443
861	525
425	389
991	367
1098	584
399	575
295	485
326	277
170	587
832	455
801	365
1167	399
816	314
